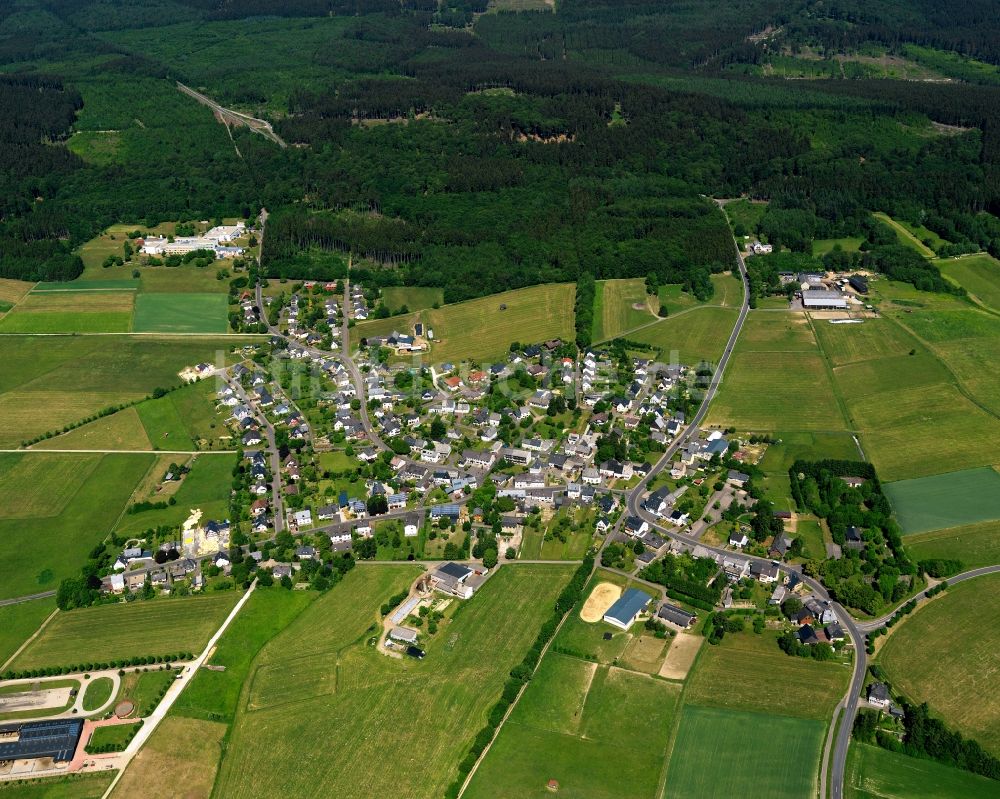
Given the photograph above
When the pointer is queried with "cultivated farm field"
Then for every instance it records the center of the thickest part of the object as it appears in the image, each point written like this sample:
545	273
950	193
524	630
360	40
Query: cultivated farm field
948	654
946	500
19	622
753	755
181	313
54	508
973	544
108	632
71	312
355	695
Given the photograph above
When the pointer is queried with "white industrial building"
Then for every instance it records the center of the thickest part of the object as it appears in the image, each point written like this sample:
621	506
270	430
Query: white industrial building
824	299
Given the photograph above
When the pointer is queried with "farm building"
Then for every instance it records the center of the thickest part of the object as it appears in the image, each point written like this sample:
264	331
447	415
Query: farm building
450	578
627	609
859	283
55	739
675	616
405	635
823	299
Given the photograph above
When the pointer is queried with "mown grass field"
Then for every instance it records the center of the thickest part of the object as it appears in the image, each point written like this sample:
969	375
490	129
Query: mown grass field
912	236
948	654
181	313
600	731
54	508
728	293
205	487
50	381
71	312
613	307
737	753
977	274
19	622
121	430
97	692
946	500
143	688
698	335
803	445
343	689
118	734
187	749
13	291
214	695
876	773
76	786
770	681
974	544
821	247
108	632
479	330
416	298
776	379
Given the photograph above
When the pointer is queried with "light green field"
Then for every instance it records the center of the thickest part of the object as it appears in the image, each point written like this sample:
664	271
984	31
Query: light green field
479	330
109	632
144	689
753	755
977	274
416	298
351	693
19	622
911	236
121	430
871	340
205	487
181	313
699	335
598	731
76	786
770	681
946	500
876	773
974	544
821	247
48	526
214	695
97	693
745	213
800	445
728	293
614	313
51	381
71	312
811	533
117	734
947	654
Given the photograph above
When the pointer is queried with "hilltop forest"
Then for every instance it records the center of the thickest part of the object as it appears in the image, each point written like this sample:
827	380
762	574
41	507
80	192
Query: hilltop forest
435	144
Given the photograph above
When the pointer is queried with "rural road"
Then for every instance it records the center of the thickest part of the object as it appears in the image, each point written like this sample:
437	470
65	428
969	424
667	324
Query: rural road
229	117
17	600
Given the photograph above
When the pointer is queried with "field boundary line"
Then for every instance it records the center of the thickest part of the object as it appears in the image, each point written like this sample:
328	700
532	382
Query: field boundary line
828	366
668	750
27	643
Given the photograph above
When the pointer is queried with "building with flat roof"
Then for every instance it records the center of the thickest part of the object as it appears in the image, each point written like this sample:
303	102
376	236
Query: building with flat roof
675	616
824	299
626	610
36	739
449	578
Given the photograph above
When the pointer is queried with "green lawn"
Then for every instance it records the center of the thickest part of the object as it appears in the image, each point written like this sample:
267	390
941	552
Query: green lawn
54	508
97	693
76	786
181	313
946	500
109	632
974	544
320	680
808	446
19	622
145	689
598	731
735	753
947	654
117	735
876	773
811	533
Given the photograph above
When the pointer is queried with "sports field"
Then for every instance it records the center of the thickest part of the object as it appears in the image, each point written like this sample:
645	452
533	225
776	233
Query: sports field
320	680
181	313
479	330
416	298
777	379
599	731
948	654
186	749
974	544
50	381
54	507
770	681
946	500
689	338
614	307
876	773
977	274
71	312
736	753
19	622
107	632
